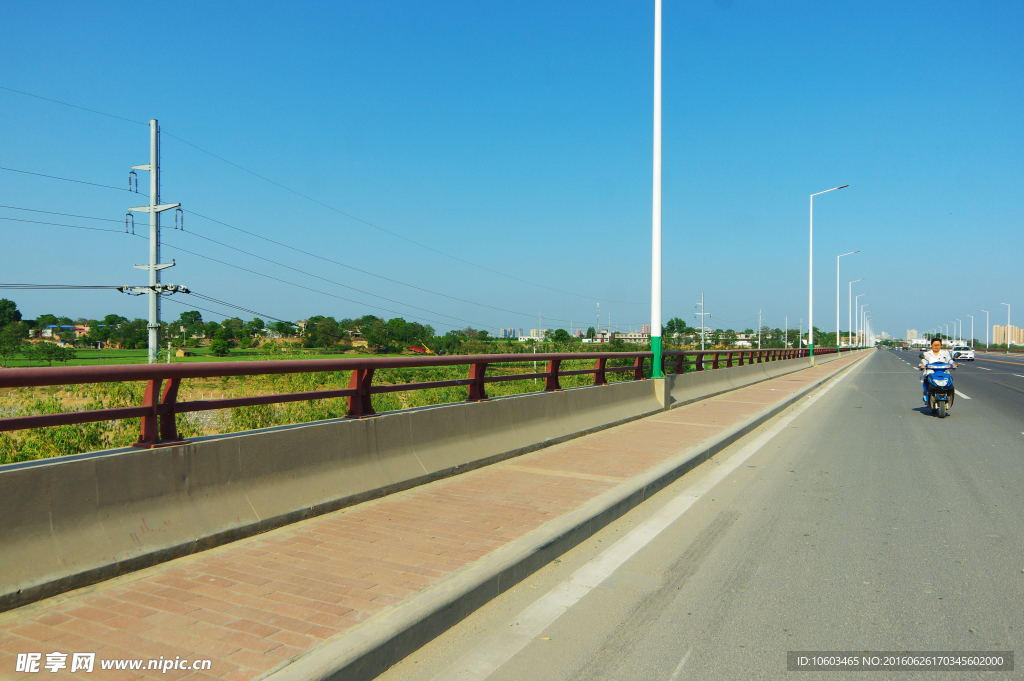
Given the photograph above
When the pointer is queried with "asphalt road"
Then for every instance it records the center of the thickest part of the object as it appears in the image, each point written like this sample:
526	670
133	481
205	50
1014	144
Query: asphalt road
858	522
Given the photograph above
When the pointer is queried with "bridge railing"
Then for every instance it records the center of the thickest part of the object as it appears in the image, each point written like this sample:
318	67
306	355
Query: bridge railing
160	403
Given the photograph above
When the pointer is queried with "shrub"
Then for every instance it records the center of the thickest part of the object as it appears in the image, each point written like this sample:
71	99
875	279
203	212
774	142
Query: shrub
219	348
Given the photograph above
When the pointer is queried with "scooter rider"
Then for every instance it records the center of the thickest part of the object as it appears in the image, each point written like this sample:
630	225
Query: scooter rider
934	356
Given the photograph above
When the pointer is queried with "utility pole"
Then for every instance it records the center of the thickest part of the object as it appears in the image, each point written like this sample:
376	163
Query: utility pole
702	314
154	209
758	329
986	329
785	334
657	369
598	319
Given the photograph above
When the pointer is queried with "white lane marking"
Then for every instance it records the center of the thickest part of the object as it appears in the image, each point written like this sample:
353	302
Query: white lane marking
985	368
682	663
501	647
1018	376
960	394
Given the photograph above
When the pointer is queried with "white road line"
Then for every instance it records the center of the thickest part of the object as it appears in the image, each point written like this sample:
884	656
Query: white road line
960	394
490	655
985	368
682	663
1018	376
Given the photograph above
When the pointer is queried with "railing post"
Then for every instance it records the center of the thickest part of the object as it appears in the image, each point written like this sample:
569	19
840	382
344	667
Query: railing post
600	377
149	431
168	422
700	361
714	364
638	369
360	405
728	359
551	383
477	387
679	363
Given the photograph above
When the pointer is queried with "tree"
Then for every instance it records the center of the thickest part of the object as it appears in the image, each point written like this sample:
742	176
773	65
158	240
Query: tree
44	320
11	337
284	328
9	313
49	353
591	332
220	348
561	336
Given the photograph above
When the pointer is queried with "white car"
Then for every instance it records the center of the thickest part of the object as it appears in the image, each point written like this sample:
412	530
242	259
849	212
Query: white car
963	353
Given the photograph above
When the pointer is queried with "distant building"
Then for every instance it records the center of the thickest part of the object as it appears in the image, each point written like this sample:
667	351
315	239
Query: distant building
645	328
538	333
1000	335
911	333
884	336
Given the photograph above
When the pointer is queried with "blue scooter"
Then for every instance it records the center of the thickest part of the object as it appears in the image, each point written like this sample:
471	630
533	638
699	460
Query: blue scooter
938	389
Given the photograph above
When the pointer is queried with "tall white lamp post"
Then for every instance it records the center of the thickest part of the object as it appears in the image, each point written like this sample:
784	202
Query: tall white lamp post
972	330
856	303
656	369
849	293
839	341
810	277
987	327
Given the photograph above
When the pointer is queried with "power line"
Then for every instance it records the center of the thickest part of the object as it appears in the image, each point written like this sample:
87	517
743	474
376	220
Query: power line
57	224
307	288
321	203
67	179
298	250
362	271
50	287
67	215
261	274
73	106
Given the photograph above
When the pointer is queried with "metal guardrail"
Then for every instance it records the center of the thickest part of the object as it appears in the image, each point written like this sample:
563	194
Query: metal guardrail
160	400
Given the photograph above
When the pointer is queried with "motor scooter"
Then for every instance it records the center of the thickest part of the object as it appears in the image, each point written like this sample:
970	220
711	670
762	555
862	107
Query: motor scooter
938	389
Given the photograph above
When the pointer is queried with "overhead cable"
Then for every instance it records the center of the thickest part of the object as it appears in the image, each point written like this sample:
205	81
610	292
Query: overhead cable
319	203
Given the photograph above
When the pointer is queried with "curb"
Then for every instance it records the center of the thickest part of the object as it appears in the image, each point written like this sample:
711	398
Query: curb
372	647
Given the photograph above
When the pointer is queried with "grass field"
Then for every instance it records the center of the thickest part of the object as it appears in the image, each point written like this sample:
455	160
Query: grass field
41	443
92	357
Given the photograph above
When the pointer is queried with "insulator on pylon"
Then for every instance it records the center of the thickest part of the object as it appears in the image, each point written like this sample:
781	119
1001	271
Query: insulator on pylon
131	176
177	212
128	216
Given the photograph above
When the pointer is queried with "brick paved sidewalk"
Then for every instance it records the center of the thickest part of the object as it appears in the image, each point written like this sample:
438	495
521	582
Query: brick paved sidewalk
254	605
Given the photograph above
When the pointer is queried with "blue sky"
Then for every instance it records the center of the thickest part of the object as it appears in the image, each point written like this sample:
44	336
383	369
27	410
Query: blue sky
517	136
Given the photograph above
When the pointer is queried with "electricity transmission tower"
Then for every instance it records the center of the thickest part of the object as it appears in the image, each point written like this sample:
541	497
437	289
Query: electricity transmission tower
155	288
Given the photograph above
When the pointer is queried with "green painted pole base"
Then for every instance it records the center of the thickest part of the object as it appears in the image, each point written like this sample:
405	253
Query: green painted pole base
656	363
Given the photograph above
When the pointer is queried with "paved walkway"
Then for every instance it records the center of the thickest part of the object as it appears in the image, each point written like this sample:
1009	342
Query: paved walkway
252	606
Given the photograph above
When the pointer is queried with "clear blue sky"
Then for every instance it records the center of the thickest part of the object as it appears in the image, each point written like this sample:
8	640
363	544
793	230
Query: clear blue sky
517	135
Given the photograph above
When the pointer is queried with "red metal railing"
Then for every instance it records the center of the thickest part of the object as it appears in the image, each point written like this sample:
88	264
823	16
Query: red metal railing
160	402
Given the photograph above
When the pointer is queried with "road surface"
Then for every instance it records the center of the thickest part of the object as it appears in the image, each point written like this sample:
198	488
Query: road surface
854	521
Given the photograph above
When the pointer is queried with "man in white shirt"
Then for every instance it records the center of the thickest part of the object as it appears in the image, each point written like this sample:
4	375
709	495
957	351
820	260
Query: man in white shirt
934	356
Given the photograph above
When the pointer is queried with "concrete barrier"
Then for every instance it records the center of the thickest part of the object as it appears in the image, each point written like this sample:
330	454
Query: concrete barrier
78	520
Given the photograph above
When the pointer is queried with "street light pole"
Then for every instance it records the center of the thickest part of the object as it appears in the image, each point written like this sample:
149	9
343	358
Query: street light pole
657	371
856	302
960	333
863	337
986	329
839	342
1007	334
810	277
972	330
850	311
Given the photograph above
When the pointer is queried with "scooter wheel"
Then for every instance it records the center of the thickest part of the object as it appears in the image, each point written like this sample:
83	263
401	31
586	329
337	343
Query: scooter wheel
942	410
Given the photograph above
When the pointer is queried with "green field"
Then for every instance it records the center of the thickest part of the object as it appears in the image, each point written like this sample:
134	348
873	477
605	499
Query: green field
97	357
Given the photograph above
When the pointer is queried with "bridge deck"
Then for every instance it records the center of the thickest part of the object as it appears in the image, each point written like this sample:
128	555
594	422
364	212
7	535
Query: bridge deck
257	604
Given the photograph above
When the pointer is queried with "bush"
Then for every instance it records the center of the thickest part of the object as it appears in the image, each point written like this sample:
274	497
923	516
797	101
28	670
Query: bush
220	348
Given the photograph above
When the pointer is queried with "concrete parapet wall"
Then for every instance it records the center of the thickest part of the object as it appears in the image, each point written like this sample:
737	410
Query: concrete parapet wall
79	520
